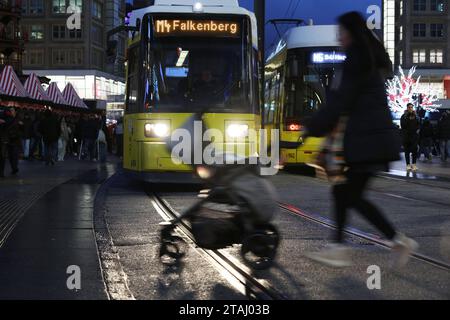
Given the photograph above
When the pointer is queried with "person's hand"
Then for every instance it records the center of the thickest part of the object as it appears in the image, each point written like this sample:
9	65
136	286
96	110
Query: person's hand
2	121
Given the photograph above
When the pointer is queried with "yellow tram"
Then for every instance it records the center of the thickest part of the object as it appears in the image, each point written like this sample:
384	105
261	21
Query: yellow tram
298	75
184	58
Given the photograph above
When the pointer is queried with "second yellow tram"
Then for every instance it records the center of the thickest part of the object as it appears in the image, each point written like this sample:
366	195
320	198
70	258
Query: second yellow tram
298	75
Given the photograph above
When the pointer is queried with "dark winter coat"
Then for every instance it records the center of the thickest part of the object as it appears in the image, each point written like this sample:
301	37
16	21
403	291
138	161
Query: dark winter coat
90	129
50	129
444	128
410	128
426	131
370	135
13	131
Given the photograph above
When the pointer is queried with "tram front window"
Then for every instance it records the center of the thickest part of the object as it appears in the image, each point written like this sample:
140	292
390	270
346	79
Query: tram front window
307	84
198	75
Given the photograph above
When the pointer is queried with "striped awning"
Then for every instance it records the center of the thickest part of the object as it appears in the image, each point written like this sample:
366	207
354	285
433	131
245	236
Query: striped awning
10	83
34	88
55	95
72	98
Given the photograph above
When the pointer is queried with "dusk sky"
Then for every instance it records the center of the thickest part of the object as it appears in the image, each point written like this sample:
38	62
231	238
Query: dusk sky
321	11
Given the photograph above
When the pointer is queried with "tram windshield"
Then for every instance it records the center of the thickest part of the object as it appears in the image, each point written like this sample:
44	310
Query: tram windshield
199	73
310	74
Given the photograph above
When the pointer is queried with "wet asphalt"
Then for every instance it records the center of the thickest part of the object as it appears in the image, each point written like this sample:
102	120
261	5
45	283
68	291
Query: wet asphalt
421	211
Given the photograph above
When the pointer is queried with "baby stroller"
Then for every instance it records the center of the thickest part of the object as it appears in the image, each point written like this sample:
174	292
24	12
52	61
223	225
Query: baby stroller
237	210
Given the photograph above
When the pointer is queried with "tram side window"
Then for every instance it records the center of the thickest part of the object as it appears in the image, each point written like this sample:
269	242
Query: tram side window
272	100
133	80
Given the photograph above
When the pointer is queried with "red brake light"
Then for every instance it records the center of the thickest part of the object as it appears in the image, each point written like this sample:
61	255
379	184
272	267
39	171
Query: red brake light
294	127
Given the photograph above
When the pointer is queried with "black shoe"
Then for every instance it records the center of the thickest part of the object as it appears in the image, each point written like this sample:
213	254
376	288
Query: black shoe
2	175
52	163
15	171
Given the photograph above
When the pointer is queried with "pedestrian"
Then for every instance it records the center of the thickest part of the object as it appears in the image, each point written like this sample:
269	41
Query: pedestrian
3	141
27	134
119	137
36	140
63	139
426	139
90	130
358	118
11	141
444	135
50	129
102	145
410	125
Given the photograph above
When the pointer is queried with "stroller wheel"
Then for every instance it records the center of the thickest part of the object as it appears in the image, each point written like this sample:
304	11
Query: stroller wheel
259	248
171	250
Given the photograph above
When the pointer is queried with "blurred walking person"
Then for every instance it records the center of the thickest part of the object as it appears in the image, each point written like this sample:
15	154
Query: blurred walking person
410	125
426	139
63	139
358	119
444	136
50	129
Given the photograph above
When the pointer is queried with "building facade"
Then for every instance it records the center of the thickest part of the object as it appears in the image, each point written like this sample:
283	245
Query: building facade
417	33
11	36
66	42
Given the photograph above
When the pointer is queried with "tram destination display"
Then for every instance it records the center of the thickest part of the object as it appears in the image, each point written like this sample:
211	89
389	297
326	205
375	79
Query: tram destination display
189	27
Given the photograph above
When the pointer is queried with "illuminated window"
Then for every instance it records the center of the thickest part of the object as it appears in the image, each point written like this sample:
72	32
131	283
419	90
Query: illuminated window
420	5
419	30
97	9
437	5
77	4
400	58
401	33
401	7
436	56
437	30
389	28
59	6
419	56
36	32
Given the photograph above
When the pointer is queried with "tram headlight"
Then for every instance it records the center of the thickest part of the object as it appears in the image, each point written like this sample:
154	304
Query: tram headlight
237	130
157	130
205	173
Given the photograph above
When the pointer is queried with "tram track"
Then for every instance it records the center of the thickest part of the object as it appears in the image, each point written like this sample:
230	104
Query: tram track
420	182
239	275
360	234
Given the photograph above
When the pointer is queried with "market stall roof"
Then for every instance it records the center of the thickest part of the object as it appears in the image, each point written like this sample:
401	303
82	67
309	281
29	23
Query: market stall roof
55	95
72	98
10	83
34	88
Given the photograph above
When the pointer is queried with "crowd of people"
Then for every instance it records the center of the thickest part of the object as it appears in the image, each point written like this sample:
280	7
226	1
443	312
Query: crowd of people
50	136
422	137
